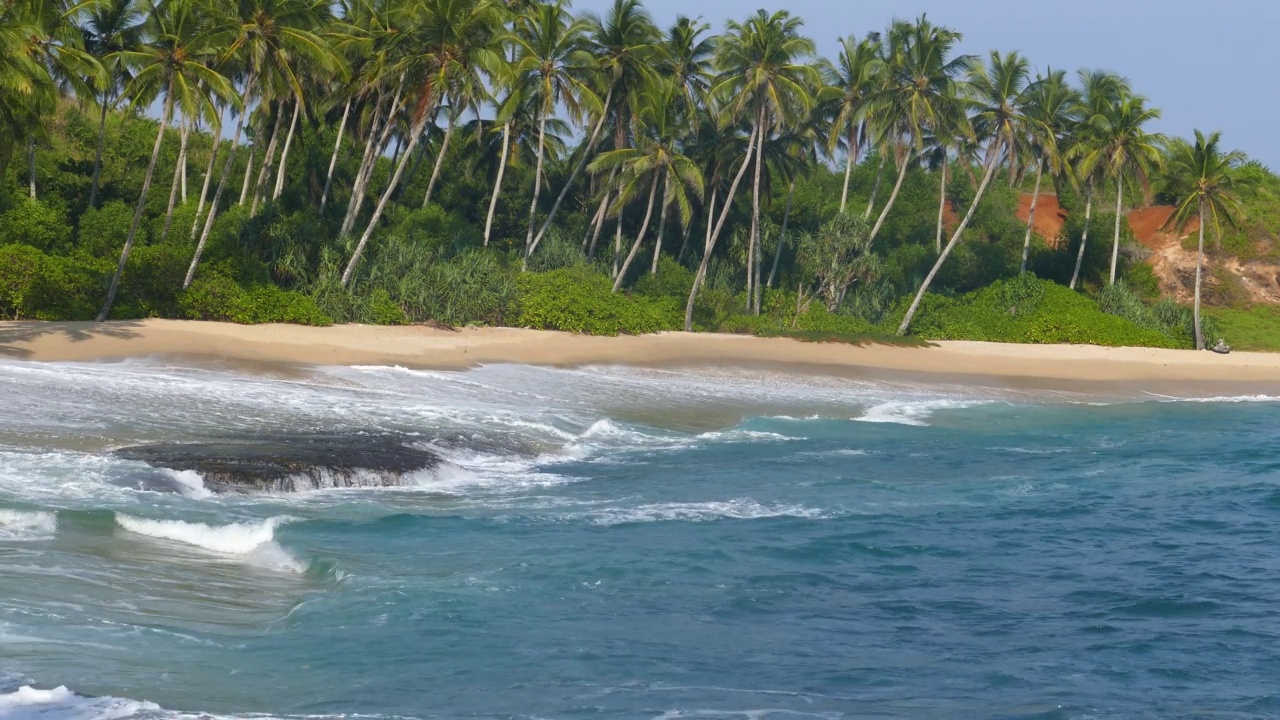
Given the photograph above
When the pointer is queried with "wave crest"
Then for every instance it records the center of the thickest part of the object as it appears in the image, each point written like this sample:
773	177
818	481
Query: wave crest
253	541
27	525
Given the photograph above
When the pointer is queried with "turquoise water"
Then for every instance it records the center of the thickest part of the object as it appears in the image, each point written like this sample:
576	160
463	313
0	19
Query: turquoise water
611	542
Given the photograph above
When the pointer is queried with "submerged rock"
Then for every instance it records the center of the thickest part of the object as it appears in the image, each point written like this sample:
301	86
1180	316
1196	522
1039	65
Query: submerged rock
290	463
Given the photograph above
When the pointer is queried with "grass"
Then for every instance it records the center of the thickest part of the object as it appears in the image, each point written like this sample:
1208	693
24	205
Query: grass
859	339
1257	328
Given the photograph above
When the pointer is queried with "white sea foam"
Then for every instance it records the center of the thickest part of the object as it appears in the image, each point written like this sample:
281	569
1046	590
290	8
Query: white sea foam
739	509
27	525
1220	399
189	483
904	412
252	541
28	703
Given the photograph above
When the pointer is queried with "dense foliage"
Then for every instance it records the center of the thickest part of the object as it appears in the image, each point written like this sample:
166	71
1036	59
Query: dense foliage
472	161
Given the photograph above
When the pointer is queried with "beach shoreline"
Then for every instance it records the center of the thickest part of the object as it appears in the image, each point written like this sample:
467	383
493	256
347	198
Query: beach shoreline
422	347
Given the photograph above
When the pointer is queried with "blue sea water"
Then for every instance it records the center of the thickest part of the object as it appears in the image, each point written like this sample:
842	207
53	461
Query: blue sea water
636	543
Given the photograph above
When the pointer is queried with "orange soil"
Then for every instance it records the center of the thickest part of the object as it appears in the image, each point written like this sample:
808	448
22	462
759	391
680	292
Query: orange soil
1148	225
1050	217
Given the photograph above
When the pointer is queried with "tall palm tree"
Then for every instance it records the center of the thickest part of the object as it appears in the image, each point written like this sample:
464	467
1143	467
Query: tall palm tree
1050	113
1099	91
26	88
108	28
1122	148
850	86
658	160
996	92
764	79
269	37
1205	181
686	60
452	42
179	43
551	48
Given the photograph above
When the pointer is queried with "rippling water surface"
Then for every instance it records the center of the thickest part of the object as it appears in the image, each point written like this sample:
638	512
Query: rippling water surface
610	542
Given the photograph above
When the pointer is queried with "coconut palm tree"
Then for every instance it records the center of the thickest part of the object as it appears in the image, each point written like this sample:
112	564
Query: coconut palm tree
764	79
1099	91
996	92
108	28
1051	113
1205	181
850	85
173	60
686	60
551	48
658	160
1121	147
26	88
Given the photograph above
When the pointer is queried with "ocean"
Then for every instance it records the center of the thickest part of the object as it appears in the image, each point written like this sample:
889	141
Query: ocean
611	542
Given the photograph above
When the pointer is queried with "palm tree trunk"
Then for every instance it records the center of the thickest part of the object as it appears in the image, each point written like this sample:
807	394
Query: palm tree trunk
384	139
333	158
382	201
848	168
893	197
366	162
955	238
875	188
31	167
662	225
644	230
715	235
248	174
597	221
435	171
215	138
97	158
684	243
617	235
1084	237
183	137
497	183
782	237
753	257
284	154
1199	263
537	189
105	312
577	170
268	160
222	183
1031	216
942	207
1115	245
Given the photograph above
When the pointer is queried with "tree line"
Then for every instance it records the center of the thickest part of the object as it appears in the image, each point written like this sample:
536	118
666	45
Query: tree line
681	128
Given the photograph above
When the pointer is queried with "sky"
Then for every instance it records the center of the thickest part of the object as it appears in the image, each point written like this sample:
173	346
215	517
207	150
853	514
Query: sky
1206	65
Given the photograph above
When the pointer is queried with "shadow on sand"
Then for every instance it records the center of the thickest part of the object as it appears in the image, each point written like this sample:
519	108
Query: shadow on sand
21	331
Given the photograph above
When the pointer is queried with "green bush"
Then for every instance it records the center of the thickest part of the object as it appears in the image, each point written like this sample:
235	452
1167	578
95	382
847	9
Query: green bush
103	230
218	297
580	300
34	223
380	309
35	285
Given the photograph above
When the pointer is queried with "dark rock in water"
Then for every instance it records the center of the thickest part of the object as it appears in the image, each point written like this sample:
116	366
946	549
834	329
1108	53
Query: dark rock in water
290	463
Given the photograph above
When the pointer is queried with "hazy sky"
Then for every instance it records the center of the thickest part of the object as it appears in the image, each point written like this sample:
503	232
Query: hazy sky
1206	65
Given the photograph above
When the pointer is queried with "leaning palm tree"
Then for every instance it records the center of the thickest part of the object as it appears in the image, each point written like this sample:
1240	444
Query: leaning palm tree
997	94
173	61
1122	148
1050	116
850	85
658	160
764	80
551	48
1100	90
1205	181
109	28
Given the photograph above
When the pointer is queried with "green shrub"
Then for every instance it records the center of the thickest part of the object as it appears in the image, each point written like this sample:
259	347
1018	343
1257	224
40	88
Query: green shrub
218	297
103	230
580	300
672	280
152	280
380	309
556	251
34	223
35	285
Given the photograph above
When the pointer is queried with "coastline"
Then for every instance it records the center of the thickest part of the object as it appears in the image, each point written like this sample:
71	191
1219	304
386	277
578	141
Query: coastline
427	348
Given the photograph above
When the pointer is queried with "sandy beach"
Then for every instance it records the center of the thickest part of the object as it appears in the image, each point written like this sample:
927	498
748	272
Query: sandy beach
423	347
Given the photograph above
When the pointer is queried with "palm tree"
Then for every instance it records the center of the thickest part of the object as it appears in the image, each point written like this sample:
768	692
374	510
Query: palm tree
686	60
1121	148
762	78
172	60
269	37
1205	181
26	88
1100	90
551	48
997	95
850	85
658	160
1050	111
109	28
453	41
951	131
919	93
